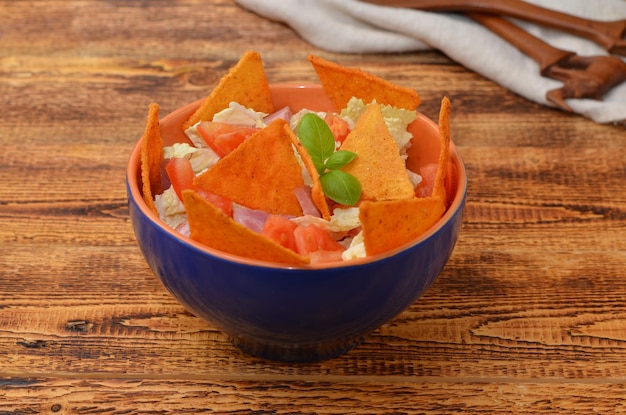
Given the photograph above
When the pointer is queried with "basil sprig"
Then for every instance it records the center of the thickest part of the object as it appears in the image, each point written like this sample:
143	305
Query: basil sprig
318	139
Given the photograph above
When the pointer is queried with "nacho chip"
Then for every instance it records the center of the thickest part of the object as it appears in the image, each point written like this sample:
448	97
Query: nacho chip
439	187
151	157
342	83
378	165
245	83
391	224
317	194
209	226
261	173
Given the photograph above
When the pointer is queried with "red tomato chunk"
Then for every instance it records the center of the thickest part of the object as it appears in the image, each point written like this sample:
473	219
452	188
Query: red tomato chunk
280	230
338	126
313	238
224	138
308	240
181	176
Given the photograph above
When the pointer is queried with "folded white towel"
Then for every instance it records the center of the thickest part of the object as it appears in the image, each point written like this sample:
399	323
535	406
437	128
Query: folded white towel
350	26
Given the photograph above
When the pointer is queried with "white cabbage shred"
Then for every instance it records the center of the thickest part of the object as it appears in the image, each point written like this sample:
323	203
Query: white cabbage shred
237	114
396	119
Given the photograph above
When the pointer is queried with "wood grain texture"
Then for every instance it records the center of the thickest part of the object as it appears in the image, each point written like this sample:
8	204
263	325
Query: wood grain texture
528	316
102	396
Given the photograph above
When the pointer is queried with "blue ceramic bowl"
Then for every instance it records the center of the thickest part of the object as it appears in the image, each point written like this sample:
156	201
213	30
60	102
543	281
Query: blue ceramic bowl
295	314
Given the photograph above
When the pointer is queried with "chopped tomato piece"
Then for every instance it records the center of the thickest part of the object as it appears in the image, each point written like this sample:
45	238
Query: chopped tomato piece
281	230
224	138
222	203
428	173
338	126
312	238
425	187
181	175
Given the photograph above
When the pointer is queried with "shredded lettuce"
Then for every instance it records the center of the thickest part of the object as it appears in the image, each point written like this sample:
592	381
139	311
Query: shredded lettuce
295	118
396	119
237	114
356	248
194	136
414	177
203	159
345	218
171	209
178	150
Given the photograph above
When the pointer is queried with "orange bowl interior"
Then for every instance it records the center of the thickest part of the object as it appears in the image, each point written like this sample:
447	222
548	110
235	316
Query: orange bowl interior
423	151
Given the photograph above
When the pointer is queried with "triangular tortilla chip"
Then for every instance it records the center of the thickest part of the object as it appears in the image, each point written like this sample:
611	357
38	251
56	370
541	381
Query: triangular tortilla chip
261	173
342	83
317	194
439	187
245	84
391	224
151	157
209	226
378	165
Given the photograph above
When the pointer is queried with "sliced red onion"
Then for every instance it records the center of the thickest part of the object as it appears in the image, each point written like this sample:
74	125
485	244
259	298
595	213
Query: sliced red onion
303	193
165	179
283	113
253	219
183	228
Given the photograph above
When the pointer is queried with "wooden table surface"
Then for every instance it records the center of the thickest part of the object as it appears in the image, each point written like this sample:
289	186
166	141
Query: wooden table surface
529	315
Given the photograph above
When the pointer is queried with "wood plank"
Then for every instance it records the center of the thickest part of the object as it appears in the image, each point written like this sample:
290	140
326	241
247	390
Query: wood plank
270	395
472	322
527	317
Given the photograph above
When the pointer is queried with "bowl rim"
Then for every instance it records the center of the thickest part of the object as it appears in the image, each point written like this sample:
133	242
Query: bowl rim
135	193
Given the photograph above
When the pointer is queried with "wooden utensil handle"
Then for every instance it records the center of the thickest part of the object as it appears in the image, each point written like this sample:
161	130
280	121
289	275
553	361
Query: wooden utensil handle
543	53
605	33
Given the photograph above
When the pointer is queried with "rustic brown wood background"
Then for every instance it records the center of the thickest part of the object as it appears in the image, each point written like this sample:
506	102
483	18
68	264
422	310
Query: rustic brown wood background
528	317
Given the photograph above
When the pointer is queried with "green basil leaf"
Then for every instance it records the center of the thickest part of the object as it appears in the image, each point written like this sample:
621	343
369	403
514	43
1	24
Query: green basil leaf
341	187
339	159
317	138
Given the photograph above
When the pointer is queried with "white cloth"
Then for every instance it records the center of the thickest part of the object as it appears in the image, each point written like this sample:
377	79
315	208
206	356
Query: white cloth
351	26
